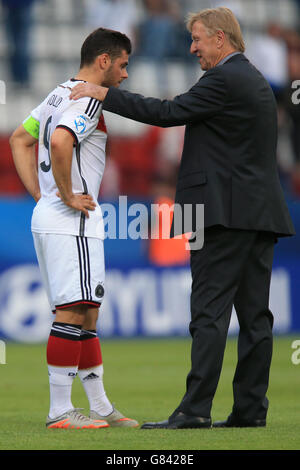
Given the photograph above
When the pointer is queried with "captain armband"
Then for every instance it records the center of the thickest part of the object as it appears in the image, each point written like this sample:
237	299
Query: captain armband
32	126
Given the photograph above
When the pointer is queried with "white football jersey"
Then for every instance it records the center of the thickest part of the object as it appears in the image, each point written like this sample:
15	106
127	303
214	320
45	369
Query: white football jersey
84	120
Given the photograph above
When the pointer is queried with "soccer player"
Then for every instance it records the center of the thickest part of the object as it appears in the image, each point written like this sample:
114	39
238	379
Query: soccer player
67	226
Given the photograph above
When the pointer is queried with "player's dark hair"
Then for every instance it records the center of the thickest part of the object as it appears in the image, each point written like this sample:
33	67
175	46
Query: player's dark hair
104	41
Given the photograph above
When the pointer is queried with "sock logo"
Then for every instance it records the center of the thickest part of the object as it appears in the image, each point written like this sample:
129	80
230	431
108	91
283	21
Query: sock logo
92	375
72	374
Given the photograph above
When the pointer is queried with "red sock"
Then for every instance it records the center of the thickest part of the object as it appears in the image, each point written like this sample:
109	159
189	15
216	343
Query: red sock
90	355
63	348
63	352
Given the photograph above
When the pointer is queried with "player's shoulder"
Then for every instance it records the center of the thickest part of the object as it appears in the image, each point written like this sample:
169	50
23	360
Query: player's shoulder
86	105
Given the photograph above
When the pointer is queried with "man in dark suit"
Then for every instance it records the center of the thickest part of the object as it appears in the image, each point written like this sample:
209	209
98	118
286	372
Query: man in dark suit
229	165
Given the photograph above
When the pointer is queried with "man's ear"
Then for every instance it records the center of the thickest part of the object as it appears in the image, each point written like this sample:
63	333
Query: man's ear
220	38
104	61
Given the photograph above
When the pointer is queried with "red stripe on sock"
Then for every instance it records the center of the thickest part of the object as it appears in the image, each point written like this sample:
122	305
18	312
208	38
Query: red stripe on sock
90	355
63	352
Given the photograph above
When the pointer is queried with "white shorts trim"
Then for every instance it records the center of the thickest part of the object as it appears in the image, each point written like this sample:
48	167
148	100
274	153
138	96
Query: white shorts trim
72	269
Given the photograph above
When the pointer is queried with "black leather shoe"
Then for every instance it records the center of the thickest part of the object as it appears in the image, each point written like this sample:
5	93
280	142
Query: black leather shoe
232	422
180	421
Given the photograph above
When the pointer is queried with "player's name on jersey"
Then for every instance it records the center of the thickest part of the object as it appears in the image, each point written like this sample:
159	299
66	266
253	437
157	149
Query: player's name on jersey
54	100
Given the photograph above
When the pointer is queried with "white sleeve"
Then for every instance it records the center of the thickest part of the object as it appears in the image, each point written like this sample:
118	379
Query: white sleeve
32	122
81	117
35	113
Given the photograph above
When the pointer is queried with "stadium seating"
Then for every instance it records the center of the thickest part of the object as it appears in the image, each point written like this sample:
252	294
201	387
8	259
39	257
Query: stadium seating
58	30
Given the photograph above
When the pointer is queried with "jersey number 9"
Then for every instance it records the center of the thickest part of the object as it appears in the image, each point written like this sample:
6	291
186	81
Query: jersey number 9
44	166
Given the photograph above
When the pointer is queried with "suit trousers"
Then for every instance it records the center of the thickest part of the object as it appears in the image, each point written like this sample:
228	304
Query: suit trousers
232	269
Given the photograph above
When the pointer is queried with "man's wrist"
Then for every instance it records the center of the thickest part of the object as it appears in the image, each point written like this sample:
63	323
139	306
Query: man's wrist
66	198
101	93
105	93
37	196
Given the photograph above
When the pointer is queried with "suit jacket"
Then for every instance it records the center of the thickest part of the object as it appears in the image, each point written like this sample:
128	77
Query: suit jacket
229	155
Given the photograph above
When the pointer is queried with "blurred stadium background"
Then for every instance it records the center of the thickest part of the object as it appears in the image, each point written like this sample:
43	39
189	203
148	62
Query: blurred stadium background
147	282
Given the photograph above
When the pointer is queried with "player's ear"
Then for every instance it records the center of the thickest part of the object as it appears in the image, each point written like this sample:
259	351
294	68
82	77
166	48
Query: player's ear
104	61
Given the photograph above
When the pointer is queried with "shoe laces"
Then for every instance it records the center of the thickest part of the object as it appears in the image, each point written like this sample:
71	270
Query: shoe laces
78	416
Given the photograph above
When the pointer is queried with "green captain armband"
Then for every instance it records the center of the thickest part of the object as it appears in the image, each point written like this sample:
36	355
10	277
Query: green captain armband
32	126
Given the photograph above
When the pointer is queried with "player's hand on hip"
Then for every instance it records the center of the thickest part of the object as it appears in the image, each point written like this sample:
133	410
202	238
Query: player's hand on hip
80	202
88	89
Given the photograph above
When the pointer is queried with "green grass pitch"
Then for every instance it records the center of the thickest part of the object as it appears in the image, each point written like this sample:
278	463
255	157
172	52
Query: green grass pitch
145	379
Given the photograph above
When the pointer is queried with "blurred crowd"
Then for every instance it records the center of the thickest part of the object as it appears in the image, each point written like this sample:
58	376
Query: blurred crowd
139	166
276	53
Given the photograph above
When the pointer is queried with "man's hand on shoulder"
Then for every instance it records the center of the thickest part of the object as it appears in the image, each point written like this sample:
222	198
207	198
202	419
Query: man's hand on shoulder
88	89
